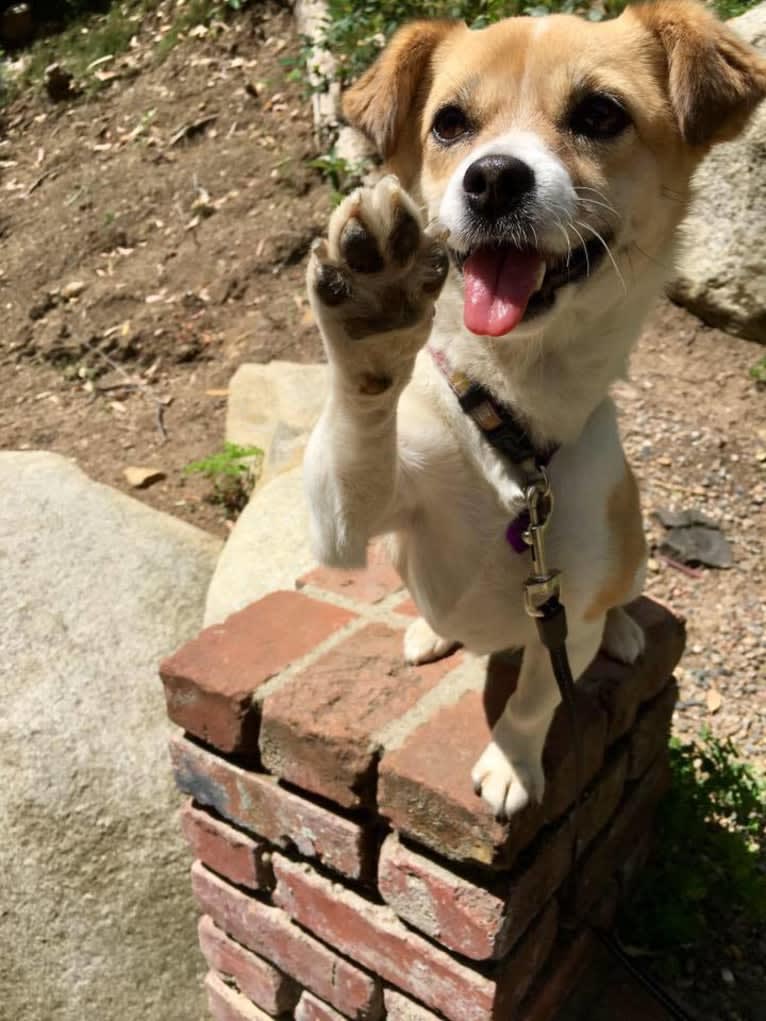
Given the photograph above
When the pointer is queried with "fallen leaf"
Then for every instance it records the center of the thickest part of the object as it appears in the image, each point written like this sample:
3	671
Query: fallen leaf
714	700
142	478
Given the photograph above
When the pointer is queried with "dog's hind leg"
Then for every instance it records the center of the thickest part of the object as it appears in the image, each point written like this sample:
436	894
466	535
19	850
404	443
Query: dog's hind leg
510	771
423	645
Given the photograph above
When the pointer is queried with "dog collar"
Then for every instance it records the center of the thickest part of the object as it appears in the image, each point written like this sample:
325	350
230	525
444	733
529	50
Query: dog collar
501	428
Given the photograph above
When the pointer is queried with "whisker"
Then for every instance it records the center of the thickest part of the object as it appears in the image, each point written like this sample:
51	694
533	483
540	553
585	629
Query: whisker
608	251
663	265
603	205
584	248
561	227
599	194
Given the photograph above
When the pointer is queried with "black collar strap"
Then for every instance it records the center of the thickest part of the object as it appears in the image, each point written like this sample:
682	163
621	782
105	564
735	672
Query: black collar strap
500	427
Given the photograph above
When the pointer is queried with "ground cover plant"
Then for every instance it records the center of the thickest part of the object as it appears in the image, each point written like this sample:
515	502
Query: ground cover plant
708	872
233	472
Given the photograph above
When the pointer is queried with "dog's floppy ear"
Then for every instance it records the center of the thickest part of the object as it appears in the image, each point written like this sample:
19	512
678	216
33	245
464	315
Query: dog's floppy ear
380	102
715	79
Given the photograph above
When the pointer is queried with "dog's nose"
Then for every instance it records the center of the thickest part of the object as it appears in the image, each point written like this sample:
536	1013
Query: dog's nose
495	185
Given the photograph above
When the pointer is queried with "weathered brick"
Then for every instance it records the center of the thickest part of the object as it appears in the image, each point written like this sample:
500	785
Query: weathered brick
402	1008
269	932
651	732
567	962
632	820
210	681
320	730
479	922
602	799
369	586
621	688
258	803
425	788
375	937
227	1004
226	850
264	984
311	1008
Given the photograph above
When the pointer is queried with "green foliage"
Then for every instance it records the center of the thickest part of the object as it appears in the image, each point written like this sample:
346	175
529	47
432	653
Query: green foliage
86	38
707	869
233	472
758	371
341	175
357	31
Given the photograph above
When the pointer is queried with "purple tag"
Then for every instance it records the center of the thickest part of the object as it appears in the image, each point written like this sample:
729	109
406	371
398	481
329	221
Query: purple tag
514	533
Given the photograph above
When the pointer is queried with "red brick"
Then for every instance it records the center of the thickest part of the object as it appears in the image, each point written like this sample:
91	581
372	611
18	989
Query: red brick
552	989
651	733
402	1008
264	984
375	937
312	1009
210	681
369	586
425	786
631	822
408	607
602	799
258	803
227	851
227	1004
479	922
621	688
320	730
269	932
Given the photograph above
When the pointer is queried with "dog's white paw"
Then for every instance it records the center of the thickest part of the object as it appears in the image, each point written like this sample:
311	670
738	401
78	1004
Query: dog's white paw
423	645
506	786
378	274
624	639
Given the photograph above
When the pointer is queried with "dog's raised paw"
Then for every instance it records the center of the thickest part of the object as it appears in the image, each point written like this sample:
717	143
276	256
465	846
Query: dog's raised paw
506	786
378	272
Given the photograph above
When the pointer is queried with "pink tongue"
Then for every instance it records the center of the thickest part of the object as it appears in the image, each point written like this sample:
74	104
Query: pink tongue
498	284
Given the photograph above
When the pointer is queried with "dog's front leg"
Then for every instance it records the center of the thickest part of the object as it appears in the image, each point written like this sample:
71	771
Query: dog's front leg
510	770
372	286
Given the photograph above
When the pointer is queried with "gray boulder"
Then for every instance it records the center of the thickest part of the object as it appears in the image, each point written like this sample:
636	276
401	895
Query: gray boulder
721	274
274	407
268	548
96	918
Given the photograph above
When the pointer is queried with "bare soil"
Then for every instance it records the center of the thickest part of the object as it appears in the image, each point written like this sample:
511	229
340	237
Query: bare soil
191	252
153	237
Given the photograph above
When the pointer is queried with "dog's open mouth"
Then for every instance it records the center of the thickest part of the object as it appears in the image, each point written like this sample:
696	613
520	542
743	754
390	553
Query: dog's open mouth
505	285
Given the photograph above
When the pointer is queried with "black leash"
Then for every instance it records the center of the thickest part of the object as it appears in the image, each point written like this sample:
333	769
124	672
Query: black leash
507	434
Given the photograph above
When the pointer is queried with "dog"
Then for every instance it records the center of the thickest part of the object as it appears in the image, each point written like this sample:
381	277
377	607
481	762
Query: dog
537	171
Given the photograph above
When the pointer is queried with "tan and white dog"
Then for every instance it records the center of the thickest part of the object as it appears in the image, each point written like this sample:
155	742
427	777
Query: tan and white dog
550	162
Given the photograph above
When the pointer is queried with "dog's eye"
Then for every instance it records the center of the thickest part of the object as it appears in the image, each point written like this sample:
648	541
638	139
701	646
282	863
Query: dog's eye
599	116
450	124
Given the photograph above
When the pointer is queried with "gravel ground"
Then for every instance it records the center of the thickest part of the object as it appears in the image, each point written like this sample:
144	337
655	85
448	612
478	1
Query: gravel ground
694	426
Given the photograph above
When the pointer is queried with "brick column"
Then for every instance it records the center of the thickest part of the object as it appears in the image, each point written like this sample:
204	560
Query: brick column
344	867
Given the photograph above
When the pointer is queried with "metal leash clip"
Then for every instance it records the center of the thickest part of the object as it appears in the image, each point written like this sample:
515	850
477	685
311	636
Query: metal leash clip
543	584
